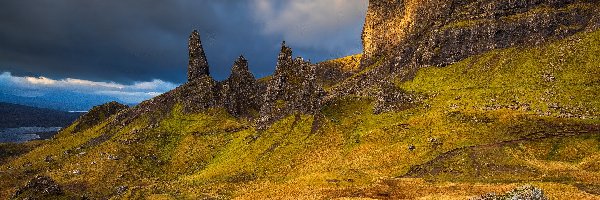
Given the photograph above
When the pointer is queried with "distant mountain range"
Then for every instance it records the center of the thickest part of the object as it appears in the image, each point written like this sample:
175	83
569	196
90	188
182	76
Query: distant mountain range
64	101
14	115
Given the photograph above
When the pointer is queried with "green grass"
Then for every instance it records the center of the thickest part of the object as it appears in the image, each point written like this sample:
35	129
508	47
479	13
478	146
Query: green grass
475	104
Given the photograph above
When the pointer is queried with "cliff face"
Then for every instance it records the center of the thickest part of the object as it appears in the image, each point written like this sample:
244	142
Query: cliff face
402	36
438	33
292	88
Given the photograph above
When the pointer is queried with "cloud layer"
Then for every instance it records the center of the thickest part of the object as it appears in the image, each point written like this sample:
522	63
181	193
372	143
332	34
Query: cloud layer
140	41
38	86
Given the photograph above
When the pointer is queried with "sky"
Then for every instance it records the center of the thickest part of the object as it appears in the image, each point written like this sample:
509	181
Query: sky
134	50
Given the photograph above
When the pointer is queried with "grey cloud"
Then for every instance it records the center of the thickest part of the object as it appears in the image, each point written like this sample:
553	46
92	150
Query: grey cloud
129	41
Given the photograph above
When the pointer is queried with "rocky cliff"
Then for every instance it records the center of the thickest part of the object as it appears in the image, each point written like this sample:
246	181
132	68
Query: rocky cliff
401	36
430	32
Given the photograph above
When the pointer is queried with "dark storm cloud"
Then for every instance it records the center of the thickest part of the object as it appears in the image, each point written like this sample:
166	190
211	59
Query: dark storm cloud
129	41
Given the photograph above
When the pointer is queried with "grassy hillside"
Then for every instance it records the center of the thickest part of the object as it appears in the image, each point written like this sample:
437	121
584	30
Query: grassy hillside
489	123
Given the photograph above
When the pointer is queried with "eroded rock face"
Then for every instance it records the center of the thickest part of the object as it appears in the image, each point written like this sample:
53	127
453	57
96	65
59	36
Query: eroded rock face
240	91
198	65
433	32
292	88
402	36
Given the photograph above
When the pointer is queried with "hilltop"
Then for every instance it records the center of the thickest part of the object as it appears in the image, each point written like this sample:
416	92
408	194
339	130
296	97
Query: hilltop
449	100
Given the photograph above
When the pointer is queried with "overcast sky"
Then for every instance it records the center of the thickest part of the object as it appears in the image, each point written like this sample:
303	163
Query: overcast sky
88	45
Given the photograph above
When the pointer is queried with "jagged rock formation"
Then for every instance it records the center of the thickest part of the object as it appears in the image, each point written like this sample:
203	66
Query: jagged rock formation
240	92
483	116
292	88
198	65
399	37
97	115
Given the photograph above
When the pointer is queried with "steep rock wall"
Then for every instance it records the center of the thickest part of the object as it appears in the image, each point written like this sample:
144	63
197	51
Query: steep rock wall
401	36
434	32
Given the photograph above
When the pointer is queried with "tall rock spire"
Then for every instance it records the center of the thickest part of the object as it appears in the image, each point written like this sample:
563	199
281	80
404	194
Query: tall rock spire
241	91
198	65
291	89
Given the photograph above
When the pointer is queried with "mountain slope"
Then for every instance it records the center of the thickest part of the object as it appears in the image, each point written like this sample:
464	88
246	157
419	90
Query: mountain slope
491	122
349	151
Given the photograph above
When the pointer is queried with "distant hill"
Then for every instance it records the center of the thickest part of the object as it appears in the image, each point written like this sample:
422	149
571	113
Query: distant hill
13	115
58	101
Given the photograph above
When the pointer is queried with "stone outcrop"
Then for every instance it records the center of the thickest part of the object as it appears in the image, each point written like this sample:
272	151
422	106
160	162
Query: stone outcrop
97	115
291	89
526	192
399	37
198	65
332	72
40	187
240	91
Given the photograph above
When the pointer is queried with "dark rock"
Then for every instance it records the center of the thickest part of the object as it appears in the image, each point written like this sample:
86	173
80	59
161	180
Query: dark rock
291	89
198	65
411	147
122	189
447	31
40	187
97	115
240	92
48	159
401	37
391	98
526	192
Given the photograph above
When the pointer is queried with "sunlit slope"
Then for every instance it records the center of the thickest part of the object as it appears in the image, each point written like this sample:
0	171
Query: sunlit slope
489	123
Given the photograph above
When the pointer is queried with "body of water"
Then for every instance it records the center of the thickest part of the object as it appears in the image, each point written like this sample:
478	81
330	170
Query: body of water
24	134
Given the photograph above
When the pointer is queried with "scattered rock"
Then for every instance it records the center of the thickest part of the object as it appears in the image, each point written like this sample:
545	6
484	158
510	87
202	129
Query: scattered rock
122	189
411	147
48	159
526	192
40	187
113	157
